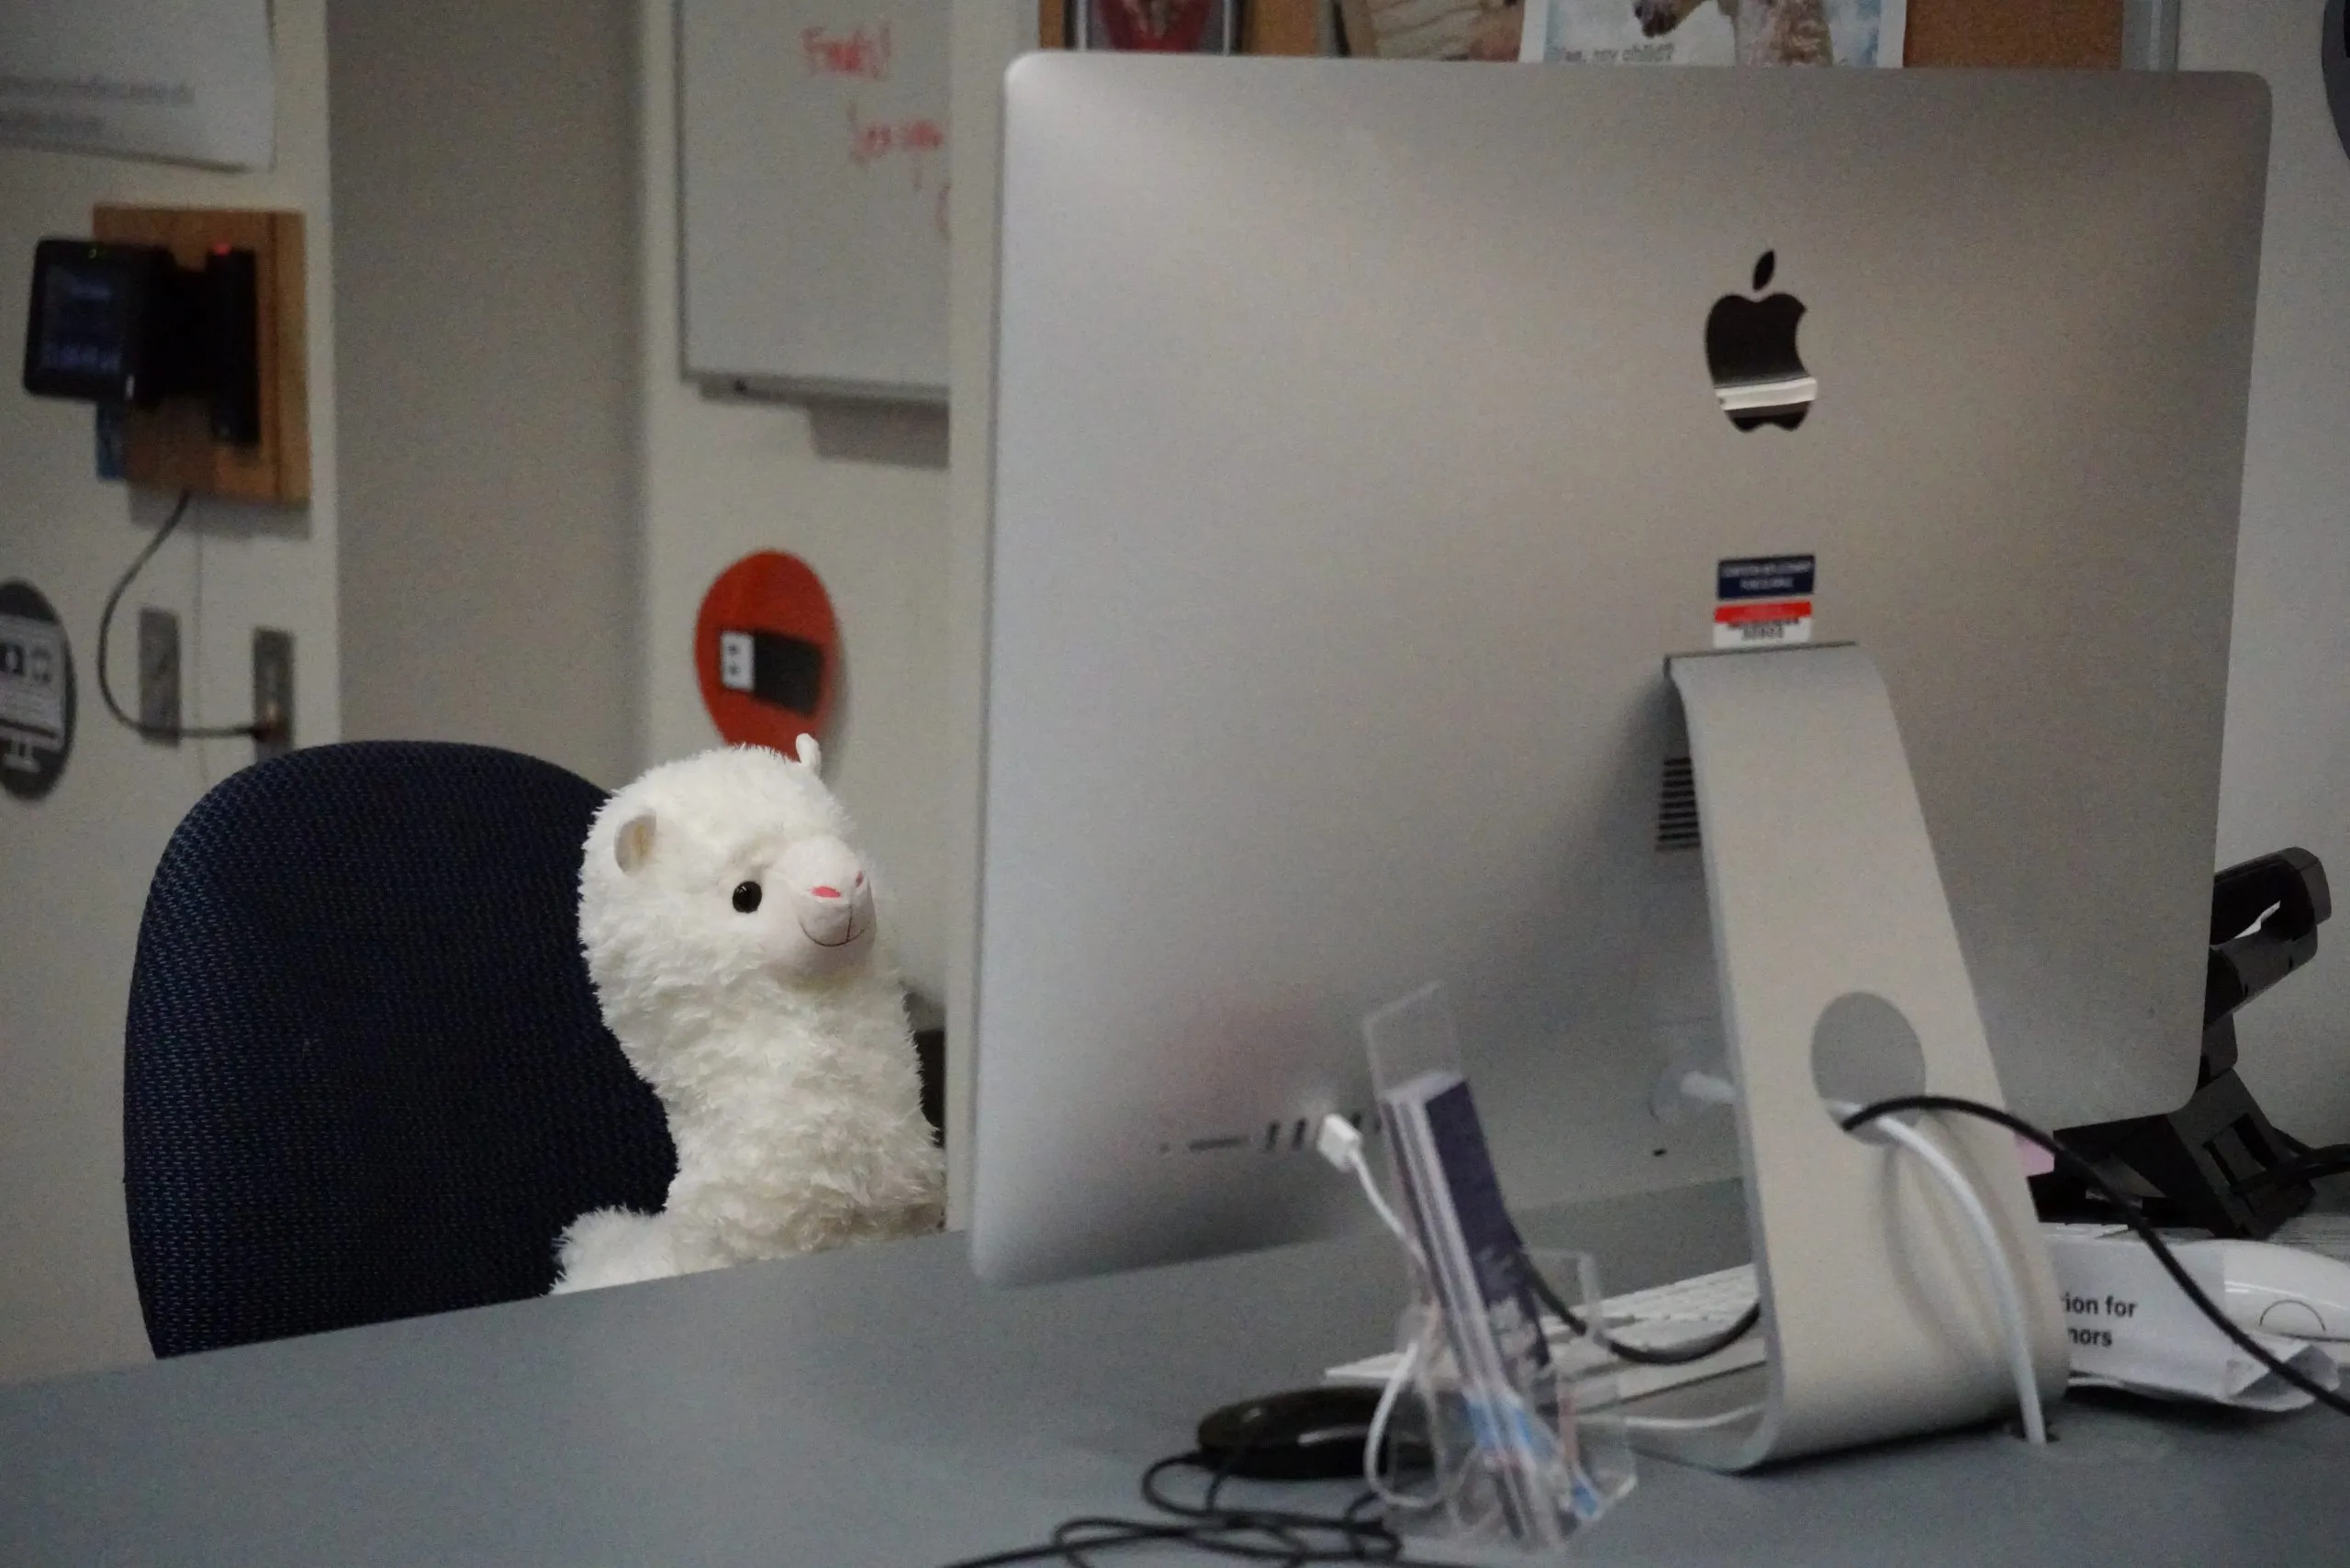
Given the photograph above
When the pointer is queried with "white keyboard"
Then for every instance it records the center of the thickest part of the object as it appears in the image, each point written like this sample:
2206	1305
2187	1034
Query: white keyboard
1664	1315
1654	1319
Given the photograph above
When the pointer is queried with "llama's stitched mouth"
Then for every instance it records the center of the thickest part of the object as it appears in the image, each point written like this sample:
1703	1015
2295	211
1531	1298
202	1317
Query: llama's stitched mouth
852	934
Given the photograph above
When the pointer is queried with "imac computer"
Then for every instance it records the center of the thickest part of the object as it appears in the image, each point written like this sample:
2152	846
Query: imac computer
1579	534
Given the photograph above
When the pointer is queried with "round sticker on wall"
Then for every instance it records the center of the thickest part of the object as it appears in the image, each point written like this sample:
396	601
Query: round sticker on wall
766	650
36	693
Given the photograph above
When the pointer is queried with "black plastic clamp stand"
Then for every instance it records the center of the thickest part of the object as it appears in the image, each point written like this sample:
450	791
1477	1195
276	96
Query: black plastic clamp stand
2215	1163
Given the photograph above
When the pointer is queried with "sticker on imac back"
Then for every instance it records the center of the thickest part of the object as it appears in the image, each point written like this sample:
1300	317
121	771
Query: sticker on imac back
1764	602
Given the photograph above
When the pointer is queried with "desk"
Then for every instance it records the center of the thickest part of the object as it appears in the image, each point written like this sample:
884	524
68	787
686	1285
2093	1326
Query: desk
881	1407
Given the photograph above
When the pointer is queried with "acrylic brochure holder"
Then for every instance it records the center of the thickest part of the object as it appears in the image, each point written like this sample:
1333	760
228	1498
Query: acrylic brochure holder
1502	1440
1830	919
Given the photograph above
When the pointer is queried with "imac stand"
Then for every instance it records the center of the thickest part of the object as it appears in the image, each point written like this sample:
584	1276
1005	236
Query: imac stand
1837	955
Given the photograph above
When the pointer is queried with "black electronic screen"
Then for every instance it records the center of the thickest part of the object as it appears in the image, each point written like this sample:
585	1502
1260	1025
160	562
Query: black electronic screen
84	332
82	321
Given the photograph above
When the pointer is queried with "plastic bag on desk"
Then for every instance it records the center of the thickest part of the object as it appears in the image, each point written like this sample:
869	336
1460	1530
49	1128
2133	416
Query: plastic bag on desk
1475	1468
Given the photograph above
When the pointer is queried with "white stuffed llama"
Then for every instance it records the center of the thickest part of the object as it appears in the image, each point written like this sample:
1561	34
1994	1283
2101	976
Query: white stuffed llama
730	930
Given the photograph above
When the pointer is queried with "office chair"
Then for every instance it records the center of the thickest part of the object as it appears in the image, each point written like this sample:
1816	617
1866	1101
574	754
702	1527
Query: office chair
365	1073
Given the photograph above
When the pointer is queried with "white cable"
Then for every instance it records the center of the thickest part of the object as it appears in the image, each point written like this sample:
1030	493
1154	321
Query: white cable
1362	1169
1405	1364
1338	1141
1341	1145
1377	1436
2013	1324
1711	1088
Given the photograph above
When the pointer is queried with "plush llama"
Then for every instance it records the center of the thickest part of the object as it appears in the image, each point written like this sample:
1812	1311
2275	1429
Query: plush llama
731	934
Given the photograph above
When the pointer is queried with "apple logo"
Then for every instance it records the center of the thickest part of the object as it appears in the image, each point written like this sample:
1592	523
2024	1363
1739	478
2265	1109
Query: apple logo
1751	349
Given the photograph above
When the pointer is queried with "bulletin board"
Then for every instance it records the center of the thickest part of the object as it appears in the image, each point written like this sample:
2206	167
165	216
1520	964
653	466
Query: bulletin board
2049	33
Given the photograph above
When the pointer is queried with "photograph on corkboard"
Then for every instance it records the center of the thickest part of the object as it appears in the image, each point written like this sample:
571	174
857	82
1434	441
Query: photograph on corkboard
1432	29
1716	32
1153	27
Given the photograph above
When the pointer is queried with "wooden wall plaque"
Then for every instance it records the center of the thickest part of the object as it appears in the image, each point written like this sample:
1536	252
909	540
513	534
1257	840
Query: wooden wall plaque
171	447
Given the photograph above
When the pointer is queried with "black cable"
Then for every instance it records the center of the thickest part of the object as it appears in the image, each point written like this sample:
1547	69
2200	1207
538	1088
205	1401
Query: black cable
2308	1165
255	730
2130	1214
1680	1355
1059	1547
1361	1540
1373	1531
1251	1535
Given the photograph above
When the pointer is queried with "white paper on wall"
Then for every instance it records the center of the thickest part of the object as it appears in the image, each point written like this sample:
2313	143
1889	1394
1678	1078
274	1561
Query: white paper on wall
188	81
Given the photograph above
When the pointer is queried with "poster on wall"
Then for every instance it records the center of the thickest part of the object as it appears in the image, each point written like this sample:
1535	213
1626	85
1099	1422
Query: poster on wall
187	81
1716	32
36	693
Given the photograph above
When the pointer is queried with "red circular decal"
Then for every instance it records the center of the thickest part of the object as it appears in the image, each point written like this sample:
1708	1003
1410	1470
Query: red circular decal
766	650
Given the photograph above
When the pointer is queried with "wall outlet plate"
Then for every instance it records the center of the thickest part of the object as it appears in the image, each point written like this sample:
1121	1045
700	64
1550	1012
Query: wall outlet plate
159	676
272	692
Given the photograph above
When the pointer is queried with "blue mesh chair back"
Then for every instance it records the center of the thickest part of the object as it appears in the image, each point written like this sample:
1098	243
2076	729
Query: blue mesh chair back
365	1073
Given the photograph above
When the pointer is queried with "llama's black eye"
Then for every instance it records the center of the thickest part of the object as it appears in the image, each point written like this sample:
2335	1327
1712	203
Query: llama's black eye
746	896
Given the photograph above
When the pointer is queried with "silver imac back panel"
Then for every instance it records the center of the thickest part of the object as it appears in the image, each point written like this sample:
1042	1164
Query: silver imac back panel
1368	435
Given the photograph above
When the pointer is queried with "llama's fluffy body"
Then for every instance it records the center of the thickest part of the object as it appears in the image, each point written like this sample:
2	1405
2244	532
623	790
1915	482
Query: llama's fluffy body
774	1035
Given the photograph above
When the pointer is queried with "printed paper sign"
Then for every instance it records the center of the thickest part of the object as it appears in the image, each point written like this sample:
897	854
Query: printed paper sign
2131	1326
186	79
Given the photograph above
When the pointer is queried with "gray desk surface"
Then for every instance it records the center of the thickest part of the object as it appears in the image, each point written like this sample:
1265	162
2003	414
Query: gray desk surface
880	1406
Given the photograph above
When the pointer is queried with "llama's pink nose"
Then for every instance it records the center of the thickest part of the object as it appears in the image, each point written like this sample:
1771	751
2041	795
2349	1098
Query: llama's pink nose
829	893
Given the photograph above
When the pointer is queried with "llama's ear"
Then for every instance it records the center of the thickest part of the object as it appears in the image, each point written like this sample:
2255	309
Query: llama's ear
811	756
632	846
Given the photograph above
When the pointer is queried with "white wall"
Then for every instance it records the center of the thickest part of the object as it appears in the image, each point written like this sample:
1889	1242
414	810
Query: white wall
860	496
2287	774
486	313
73	868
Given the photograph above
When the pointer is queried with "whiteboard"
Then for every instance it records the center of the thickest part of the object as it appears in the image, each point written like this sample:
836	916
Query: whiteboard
812	195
